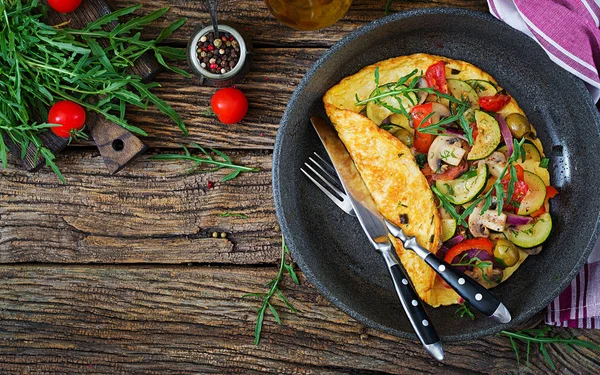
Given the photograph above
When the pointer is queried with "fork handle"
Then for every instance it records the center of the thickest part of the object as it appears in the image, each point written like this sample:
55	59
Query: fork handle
413	307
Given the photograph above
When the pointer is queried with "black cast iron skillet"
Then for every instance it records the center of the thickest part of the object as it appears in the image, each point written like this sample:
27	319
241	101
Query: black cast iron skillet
329	245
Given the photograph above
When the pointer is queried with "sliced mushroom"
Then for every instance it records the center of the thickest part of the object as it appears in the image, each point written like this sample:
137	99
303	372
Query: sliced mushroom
494	221
440	111
487	277
476	227
446	149
496	163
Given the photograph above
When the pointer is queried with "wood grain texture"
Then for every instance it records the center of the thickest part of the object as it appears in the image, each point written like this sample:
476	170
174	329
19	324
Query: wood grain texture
152	212
253	17
274	75
193	320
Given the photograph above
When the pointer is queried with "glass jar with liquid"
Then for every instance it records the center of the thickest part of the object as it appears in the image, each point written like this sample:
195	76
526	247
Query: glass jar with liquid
308	14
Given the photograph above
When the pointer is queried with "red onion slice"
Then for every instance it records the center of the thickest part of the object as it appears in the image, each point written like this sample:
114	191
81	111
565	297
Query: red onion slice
506	134
514	220
454	240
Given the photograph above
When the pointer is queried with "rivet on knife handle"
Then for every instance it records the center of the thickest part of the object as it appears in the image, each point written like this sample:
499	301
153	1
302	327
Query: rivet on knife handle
413	307
470	290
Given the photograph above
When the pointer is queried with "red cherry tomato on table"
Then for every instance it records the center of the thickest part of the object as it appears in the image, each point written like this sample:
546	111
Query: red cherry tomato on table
64	6
436	77
418	113
230	105
70	116
494	103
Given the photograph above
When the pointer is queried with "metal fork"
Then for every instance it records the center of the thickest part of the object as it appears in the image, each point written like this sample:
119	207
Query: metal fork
327	176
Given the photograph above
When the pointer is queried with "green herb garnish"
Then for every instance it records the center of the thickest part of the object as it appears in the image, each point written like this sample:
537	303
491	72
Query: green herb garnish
544	162
540	337
487	198
399	90
208	160
41	64
464	310
274	289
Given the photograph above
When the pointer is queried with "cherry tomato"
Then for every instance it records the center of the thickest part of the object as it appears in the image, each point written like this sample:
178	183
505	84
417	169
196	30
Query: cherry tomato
230	105
436	77
418	113
520	189
70	116
494	103
64	6
470	244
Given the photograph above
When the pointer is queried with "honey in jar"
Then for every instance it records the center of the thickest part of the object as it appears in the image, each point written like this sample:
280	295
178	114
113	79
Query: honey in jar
308	14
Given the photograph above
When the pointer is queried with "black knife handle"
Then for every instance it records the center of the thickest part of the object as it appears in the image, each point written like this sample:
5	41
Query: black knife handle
415	311
475	294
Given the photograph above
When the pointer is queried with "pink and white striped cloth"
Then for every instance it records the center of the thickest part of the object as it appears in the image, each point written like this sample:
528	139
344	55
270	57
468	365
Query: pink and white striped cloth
569	32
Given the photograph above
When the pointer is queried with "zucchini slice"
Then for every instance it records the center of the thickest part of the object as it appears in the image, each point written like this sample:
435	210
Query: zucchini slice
461	90
488	137
377	112
463	190
448	229
535	197
482	87
531	235
531	151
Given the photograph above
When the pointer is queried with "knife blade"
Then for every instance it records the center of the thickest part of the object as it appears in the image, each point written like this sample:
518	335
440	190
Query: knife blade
374	227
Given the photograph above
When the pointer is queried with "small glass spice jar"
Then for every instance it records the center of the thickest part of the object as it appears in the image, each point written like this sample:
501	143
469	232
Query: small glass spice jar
221	61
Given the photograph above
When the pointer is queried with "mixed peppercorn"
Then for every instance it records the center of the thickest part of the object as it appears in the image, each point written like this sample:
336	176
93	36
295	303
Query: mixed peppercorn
218	55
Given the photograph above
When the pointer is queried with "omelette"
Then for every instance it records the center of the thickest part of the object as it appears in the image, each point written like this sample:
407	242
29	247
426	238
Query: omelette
450	157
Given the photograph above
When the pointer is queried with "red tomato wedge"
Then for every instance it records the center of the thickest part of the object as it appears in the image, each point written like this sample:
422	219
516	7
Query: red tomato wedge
418	113
436	77
494	103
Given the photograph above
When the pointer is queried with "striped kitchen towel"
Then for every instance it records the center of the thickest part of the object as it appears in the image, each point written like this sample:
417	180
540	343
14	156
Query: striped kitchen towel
568	30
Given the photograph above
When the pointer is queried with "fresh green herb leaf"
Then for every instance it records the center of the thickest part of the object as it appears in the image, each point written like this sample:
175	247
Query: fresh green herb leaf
464	310
226	163
421	160
274	289
542	338
41	64
544	163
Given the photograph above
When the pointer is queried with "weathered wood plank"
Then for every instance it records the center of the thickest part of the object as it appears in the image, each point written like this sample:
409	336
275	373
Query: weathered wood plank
152	211
253	17
274	75
185	319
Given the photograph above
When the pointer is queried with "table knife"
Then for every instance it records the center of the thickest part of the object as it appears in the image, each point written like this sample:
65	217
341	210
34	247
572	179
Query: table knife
474	293
374	227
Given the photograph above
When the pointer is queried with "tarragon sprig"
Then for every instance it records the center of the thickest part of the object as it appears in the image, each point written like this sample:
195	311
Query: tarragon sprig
487	198
273	286
208	160
399	89
540	337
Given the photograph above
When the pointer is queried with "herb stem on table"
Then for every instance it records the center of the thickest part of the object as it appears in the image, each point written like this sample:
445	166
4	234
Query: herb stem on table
225	163
541	338
274	289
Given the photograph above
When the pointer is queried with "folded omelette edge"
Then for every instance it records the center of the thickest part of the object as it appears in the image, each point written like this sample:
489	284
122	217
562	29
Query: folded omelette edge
398	187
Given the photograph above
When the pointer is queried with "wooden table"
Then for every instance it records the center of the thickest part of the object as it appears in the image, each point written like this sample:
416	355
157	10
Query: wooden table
121	274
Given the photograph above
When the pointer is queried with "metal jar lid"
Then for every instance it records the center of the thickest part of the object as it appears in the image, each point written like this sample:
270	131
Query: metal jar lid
212	79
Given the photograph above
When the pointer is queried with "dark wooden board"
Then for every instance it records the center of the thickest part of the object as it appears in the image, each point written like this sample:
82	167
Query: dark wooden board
193	320
254	18
153	212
